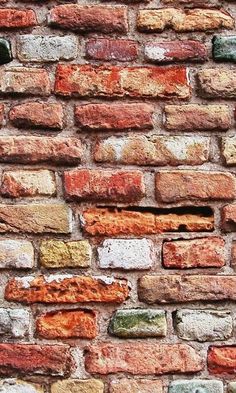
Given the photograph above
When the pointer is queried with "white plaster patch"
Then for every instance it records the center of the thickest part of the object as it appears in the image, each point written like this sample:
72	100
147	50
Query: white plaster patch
155	52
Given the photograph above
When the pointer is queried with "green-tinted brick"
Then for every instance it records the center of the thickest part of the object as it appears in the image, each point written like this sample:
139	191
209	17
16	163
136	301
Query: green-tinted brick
5	51
196	386
232	387
224	48
138	323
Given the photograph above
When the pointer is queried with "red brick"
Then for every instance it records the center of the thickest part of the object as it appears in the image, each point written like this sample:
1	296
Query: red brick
26	81
113	81
35	359
229	218
222	360
33	149
17	18
142	358
91	18
114	117
105	222
205	252
101	185
37	115
111	49
66	289
186	50
186	288
67	324
176	186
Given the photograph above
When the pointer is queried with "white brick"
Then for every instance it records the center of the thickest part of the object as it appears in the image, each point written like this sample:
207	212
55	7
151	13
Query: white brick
17	386
196	386
14	323
16	254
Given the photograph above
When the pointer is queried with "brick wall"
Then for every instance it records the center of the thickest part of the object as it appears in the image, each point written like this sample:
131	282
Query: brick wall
118	190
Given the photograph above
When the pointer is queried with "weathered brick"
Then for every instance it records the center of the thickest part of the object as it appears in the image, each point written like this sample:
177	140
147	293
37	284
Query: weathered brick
111	117
193	3
14	323
33	149
135	386
57	254
35	359
125	254
111	49
224	48
197	117
105	222
27	81
203	325
35	218
217	83
229	150
232	387
17	18
67	324
153	150
5	51
177	288
18	386
222	360
89	18
17	254
36	48
78	386
198	385
37	115
229	218
66	289
135	323
101	185
106	358
194	185
113	81
172	51
233	255
157	20
28	183
205	252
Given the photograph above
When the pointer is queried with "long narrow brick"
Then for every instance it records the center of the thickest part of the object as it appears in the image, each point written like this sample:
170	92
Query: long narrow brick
66	289
188	288
111	49
25	81
193	3
113	81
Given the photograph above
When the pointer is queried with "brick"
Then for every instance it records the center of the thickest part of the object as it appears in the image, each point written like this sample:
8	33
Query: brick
193	3
105	222
6	52
33	150
16	254
35	359
39	49
111	49
1	115
37	115
228	216
157	20
128	357
66	289
127	254
25	81
229	150
35	218
113	81
112	117
28	183
232	387
197	117
178	289
136	386
101	185
198	385
78	386
222	360
15	385
194	185
92	18
233	255
17	18
153	150
203	325
57	254
67	324
217	83
14	323
224	48
172	51
134	323
196	253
